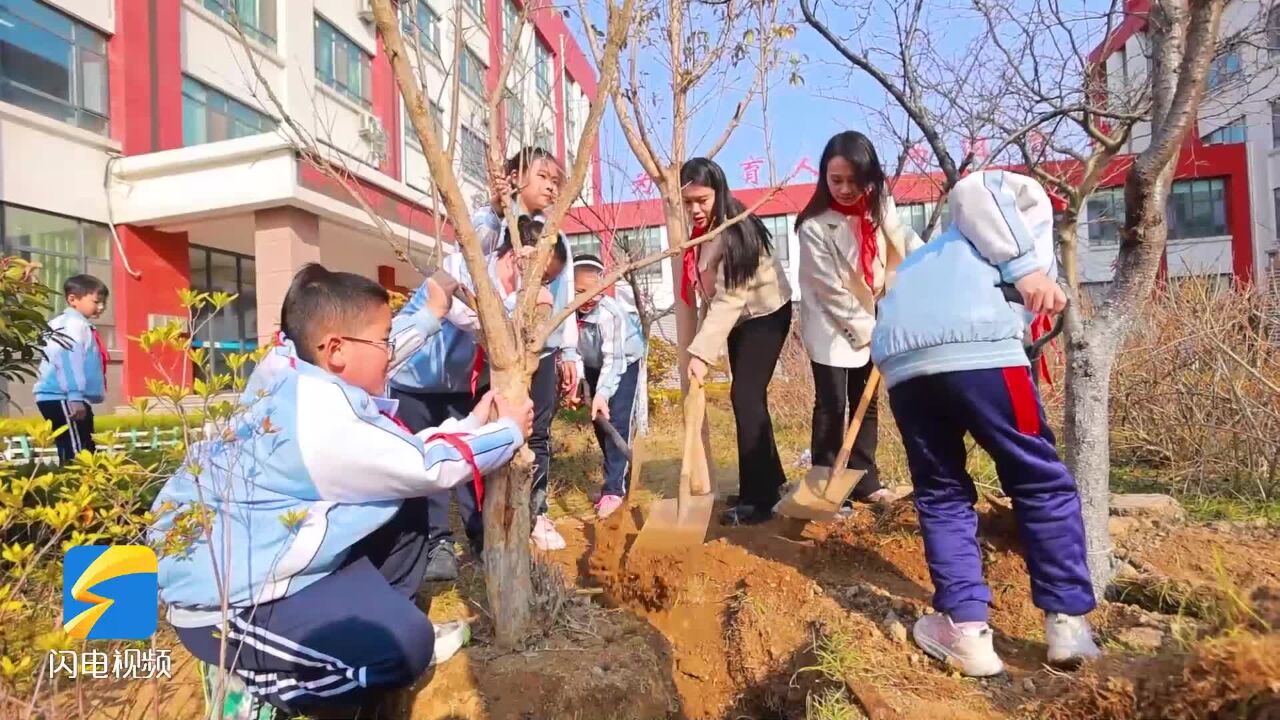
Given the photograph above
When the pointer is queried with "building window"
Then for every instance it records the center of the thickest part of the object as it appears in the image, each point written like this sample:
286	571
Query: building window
570	122
635	243
585	244
515	119
471	72
779	227
1275	201
341	64
542	70
209	116
1273	32
234	329
1197	209
425	22
1104	213
411	135
476	8
915	215
545	139
1275	123
472	151
1233	132
53	65
256	17
64	247
510	21
1224	69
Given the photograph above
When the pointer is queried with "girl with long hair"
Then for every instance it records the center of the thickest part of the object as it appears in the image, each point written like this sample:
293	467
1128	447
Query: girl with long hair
851	241
748	306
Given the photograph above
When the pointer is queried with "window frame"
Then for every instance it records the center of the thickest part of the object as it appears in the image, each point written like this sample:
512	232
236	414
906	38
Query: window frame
543	60
476	9
470	57
1215	187
1219	74
781	242
266	123
410	135
1224	134
1103	229
430	36
26	250
246	340
465	162
81	39
338	39
252	27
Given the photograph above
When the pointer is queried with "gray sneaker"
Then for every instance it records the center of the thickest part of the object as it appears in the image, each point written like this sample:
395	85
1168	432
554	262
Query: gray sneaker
442	564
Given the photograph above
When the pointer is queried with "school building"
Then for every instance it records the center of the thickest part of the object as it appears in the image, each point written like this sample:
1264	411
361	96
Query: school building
136	144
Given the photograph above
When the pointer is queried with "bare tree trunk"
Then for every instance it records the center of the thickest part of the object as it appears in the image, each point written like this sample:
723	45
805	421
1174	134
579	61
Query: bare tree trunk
1086	428
507	520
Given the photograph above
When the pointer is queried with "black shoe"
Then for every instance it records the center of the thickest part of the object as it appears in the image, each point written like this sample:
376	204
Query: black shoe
442	564
745	515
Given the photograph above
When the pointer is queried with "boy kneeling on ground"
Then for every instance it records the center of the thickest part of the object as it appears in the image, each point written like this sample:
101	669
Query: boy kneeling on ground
950	348
309	516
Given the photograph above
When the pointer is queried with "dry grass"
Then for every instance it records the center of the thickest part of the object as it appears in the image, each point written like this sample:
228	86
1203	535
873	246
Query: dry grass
1196	393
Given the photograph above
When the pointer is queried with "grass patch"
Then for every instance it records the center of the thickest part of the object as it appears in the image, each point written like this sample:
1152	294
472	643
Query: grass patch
831	704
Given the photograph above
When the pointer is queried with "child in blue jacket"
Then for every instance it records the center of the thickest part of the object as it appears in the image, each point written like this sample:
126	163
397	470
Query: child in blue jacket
73	373
612	348
307	516
950	348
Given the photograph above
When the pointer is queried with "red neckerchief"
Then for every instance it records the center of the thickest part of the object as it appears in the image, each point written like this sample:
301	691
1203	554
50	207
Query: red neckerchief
278	341
690	276
1041	325
102	354
868	248
477	367
458	444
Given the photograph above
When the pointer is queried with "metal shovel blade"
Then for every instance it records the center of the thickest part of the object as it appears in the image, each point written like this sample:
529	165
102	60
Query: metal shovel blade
819	495
672	526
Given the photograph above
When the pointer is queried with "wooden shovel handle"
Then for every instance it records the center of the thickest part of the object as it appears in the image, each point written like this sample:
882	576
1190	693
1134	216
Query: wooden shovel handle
851	435
695	406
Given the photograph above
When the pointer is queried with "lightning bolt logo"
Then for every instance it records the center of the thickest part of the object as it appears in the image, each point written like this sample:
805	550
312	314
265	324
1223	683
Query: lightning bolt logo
124	607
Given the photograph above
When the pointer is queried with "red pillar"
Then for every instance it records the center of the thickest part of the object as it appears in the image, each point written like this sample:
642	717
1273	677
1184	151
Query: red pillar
386	105
145	74
162	263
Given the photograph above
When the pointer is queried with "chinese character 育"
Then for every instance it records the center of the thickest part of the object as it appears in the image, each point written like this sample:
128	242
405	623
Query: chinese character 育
751	170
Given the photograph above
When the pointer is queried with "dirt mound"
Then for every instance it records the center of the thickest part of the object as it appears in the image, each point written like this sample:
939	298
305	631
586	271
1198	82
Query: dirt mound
618	665
1237	677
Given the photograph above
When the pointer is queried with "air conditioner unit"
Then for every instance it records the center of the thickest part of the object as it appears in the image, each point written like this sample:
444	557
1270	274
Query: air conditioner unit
364	8
372	133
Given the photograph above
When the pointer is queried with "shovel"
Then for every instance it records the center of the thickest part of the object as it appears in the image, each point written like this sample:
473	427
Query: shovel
823	490
682	522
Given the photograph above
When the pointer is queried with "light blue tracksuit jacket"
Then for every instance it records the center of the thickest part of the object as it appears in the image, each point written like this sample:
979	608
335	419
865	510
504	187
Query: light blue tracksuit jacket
72	368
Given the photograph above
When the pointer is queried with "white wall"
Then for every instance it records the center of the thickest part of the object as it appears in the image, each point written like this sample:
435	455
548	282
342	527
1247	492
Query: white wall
98	13
50	165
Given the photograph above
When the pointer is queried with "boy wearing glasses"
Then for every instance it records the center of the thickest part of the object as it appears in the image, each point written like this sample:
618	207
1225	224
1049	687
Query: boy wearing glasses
307	516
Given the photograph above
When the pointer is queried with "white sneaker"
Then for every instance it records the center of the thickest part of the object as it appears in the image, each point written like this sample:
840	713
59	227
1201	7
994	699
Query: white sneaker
545	535
450	638
1070	640
966	645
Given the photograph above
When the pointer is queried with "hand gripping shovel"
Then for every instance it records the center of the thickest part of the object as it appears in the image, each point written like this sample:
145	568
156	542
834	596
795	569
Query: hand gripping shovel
682	521
823	490
631	452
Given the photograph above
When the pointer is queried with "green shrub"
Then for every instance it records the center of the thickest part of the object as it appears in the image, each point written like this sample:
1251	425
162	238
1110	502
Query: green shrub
11	427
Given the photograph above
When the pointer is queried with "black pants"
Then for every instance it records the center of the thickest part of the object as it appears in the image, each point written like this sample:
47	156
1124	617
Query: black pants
545	392
754	347
836	390
346	638
420	411
77	437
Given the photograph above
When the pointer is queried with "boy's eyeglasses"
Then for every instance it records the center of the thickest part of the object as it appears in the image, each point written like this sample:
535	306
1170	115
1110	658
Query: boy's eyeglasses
389	345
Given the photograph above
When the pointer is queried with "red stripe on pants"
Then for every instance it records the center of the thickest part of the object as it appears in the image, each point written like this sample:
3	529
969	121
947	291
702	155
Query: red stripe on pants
1022	395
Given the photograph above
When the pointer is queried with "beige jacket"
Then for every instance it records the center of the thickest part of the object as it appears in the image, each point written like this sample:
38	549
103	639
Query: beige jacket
766	292
837	307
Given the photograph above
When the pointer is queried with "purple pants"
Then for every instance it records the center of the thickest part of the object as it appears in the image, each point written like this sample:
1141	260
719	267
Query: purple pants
1001	410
